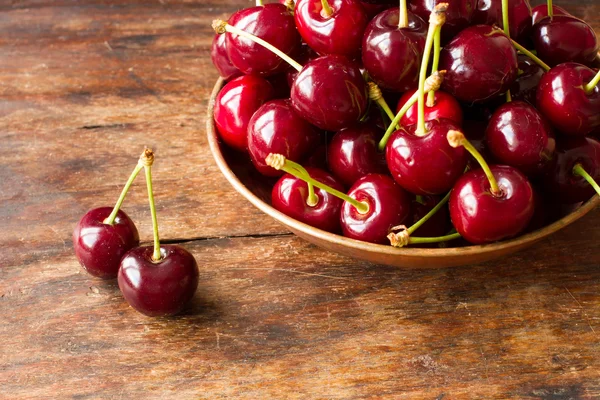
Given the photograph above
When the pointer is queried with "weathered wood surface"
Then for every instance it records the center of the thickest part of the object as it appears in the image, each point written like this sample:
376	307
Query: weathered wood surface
84	85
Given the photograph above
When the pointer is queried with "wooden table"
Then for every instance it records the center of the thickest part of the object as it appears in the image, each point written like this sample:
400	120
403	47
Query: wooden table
84	85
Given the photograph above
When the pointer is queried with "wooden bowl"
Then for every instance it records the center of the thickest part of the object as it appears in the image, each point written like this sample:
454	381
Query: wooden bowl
240	173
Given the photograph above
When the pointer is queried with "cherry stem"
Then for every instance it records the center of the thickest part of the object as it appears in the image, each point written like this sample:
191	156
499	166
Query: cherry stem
221	27
550	9
403	238
403	18
327	11
259	3
279	162
437	49
376	96
113	215
578	170
436	20
589	88
529	54
505	20
508	97
147	160
457	139
439	239
312	199
290	5
430	214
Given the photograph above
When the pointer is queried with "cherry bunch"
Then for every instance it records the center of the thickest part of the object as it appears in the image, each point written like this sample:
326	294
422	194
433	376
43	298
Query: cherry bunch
156	280
489	139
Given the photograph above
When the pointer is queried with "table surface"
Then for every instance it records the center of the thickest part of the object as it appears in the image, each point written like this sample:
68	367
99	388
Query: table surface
84	86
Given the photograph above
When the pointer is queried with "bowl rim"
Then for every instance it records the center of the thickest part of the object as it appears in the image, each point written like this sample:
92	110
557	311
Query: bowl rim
333	238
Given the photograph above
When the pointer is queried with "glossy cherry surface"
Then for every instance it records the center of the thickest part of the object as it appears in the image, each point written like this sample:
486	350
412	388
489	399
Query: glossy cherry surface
99	247
489	12
220	59
339	33
389	206
276	128
289	196
425	165
330	92
353	153
445	106
235	105
541	11
458	16
525	86
158	288
560	180
564	38
392	55
272	23
481	217
481	63
563	101
517	135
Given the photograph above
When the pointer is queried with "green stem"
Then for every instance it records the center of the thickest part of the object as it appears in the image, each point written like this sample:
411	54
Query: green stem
327	10
111	218
495	189
403	19
384	106
589	88
439	239
430	214
505	21
437	49
529	54
421	129
259	3
578	170
508	97
156	255
550	9
391	128
312	199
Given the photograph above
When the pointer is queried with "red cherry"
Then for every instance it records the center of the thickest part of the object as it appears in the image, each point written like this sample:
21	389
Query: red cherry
541	11
372	9
445	106
337	30
220	59
481	63
158	288
276	128
389	206
458	17
274	24
98	246
489	12
290	196
525	86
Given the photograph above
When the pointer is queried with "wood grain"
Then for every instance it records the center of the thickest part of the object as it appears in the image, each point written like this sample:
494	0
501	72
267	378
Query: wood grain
83	87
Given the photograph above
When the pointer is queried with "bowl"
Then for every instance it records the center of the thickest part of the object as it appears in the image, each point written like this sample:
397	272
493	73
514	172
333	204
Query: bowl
240	173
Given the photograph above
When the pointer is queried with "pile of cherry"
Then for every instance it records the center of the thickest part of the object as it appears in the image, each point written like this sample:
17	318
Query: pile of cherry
497	107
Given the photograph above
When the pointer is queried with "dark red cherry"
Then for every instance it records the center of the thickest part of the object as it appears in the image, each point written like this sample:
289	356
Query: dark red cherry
437	225
541	11
235	105
158	288
564	38
560	181
338	33
445	106
99	247
517	135
220	59
392	55
525	86
481	63
425	165
290	194
372	9
458	16
353	153
389	206
330	92
489	12
274	24
561	98
482	217
276	128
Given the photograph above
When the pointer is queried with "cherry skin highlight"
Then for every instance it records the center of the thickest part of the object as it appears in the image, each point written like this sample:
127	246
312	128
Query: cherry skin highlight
389	206
235	104
99	247
445	106
158	288
220	59
289	196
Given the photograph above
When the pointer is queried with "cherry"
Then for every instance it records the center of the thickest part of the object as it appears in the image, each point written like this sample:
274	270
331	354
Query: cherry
306	54
234	106
388	205
564	38
291	196
561	180
541	11
445	106
525	86
392	47
372	9
517	135
332	26
276	128
491	203
481	63
353	153
272	23
569	97
220	59
159	280
458	16
489	12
